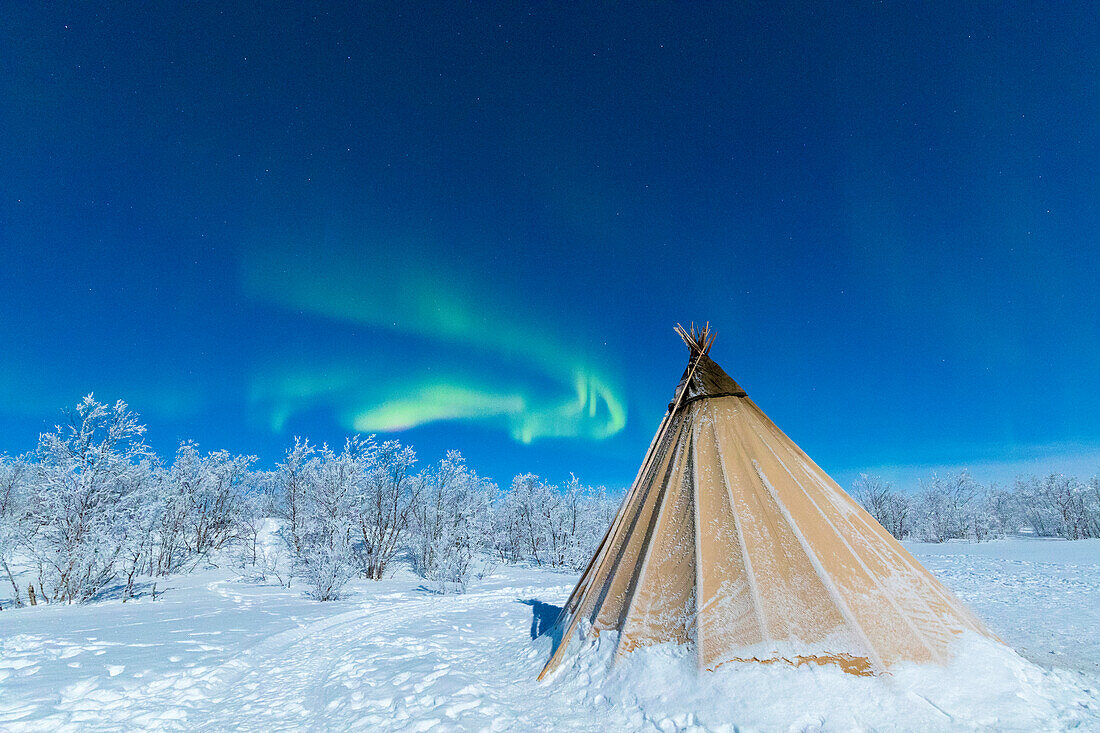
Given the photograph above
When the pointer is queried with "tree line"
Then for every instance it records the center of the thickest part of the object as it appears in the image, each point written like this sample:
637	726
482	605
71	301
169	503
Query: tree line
958	507
94	513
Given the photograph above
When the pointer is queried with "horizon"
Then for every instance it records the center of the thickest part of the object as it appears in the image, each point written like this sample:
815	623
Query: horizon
1079	461
475	227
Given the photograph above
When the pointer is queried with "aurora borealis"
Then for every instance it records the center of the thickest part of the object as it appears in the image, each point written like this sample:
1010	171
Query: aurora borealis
437	302
473	226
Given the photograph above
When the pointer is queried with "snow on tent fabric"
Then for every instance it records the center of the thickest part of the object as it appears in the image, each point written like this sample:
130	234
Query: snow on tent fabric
732	541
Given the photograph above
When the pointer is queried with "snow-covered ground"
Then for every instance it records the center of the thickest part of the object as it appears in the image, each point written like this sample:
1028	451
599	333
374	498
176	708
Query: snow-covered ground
214	652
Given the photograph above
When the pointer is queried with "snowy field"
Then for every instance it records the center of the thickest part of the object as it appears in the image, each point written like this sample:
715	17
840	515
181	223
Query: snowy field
214	652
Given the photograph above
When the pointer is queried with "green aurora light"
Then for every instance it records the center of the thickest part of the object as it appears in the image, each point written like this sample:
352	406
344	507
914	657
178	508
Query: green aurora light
550	388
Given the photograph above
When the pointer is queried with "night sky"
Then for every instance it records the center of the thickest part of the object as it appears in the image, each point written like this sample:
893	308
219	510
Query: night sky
473	226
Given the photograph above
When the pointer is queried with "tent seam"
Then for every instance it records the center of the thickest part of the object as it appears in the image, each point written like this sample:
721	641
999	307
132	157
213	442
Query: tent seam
746	561
639	577
815	561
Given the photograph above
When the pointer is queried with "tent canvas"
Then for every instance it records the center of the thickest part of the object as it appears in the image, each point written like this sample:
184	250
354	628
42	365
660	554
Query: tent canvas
732	541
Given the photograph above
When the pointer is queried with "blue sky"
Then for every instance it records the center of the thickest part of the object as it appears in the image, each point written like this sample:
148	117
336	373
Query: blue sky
473	226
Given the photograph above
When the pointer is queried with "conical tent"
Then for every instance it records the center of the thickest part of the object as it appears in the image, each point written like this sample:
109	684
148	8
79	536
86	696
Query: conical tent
733	541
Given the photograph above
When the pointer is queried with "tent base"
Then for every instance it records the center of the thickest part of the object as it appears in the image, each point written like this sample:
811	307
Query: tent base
860	666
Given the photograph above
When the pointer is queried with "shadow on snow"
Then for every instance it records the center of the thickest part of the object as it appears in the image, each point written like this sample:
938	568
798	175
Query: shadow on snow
543	620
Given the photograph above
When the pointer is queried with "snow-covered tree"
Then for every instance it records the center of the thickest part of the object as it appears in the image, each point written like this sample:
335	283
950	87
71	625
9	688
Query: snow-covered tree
384	502
1003	507
326	559
200	505
525	509
251	521
543	523
13	516
1060	506
1092	505
140	516
177	484
452	520
890	508
215	501
292	484
953	507
573	519
85	470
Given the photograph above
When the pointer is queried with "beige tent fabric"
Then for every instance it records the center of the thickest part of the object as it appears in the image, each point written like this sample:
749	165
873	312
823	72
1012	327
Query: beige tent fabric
733	541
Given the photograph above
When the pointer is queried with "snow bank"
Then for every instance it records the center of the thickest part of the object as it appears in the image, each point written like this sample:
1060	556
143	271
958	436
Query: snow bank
988	686
214	652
